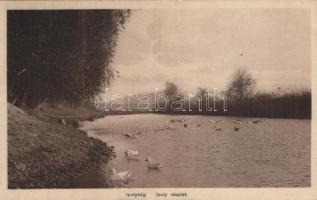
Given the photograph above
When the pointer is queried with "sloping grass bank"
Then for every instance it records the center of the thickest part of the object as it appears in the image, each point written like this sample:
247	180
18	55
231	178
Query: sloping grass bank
45	154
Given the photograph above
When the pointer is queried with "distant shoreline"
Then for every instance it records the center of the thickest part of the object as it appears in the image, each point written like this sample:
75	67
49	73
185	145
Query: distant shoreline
195	113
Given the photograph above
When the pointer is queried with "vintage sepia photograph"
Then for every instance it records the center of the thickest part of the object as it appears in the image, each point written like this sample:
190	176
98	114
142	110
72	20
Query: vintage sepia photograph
159	98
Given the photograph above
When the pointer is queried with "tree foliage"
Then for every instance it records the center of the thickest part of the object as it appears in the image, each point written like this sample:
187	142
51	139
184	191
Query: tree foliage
242	85
61	55
170	88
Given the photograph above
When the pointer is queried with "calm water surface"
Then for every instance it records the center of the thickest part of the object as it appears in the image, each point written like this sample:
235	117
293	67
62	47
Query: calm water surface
275	153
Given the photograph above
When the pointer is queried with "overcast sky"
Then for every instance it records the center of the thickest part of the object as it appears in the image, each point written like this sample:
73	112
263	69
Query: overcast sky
202	48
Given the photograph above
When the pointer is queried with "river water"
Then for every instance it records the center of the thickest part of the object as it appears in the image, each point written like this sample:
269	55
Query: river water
272	153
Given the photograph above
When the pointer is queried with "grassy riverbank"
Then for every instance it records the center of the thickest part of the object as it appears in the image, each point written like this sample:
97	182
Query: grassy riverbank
43	153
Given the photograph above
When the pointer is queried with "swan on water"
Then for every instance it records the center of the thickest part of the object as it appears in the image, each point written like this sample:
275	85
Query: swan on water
258	121
128	135
151	165
164	128
169	127
131	154
123	176
237	122
236	128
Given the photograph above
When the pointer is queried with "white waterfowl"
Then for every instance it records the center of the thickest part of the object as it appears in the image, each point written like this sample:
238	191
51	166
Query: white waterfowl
138	132
128	135
151	165
131	154
237	122
123	176
170	127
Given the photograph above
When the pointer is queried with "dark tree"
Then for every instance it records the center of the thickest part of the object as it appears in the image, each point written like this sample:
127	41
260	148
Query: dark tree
170	88
242	85
61	55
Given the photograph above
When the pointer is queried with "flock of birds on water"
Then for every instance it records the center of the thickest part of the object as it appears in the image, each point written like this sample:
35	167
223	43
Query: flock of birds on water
133	154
